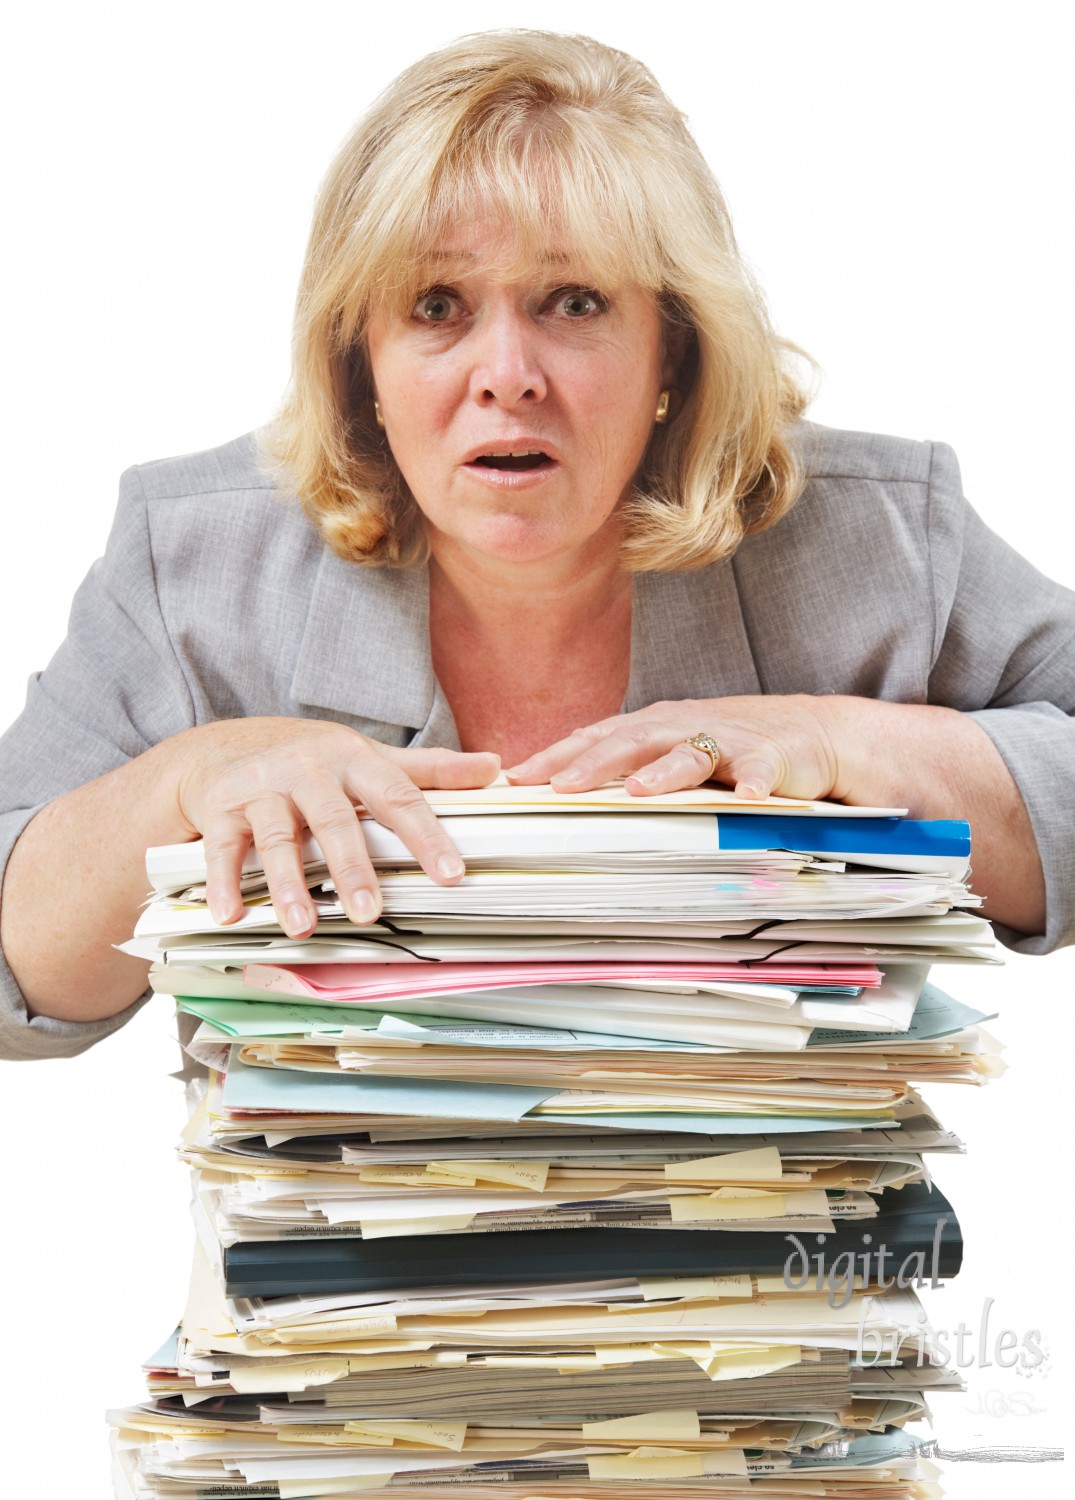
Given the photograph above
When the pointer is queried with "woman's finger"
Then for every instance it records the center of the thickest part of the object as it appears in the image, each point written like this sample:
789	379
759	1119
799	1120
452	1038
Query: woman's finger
278	840
757	775
683	767
331	817
445	770
227	837
542	767
619	753
394	800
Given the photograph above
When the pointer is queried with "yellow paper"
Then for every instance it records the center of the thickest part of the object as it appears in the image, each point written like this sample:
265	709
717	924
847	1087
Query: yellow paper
286	1376
501	796
522	1174
364	1364
652	1427
749	1364
380	1229
743	1205
415	1177
772	1284
626	1354
645	1463
702	1351
335	1331
451	1435
660	1288
333	1437
759	1165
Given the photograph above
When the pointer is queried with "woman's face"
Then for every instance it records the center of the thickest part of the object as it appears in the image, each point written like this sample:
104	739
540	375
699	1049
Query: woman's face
518	410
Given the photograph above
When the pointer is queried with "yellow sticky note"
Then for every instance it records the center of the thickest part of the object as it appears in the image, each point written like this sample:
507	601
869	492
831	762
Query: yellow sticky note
751	1363
646	1463
329	1436
759	1165
285	1375
743	1205
772	1284
336	1331
450	1435
364	1363
653	1427
379	1229
414	1177
625	1354
660	1288
522	1174
729	1461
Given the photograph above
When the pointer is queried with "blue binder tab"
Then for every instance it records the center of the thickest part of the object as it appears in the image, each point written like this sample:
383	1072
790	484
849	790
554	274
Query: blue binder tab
948	837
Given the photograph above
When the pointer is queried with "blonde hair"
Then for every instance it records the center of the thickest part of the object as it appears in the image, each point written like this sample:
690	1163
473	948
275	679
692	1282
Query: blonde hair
539	130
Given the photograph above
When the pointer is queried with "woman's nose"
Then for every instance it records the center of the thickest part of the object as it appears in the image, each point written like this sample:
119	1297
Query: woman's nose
507	369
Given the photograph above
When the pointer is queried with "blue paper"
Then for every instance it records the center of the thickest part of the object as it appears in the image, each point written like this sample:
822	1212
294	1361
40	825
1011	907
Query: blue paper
301	1092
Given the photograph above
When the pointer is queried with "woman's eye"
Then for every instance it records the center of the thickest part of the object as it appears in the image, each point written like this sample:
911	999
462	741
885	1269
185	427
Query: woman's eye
576	302
435	307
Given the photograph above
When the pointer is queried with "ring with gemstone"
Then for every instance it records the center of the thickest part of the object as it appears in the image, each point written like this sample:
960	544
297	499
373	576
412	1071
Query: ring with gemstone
708	746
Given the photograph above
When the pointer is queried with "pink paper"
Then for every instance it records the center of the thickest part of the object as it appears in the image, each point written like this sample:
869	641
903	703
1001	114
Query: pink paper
376	982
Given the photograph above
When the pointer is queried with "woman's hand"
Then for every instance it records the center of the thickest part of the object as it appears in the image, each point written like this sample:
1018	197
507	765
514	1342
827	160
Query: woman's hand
936	762
767	744
265	781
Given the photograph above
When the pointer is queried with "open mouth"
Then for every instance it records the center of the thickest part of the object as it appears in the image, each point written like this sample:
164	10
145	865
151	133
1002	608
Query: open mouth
515	463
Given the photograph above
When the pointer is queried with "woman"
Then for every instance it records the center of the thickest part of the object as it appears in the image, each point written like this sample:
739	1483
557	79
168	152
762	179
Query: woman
551	475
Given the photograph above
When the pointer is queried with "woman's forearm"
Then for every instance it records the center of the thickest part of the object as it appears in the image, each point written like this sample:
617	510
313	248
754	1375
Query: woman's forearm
76	880
938	763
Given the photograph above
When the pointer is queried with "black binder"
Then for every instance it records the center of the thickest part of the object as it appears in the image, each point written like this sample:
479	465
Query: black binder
916	1227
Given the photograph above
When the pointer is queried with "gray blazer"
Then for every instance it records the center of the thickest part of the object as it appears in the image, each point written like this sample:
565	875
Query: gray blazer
216	598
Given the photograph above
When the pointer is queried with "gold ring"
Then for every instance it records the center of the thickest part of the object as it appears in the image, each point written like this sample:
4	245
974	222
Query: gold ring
708	746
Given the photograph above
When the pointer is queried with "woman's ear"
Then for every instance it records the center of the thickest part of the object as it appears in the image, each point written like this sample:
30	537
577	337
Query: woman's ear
677	341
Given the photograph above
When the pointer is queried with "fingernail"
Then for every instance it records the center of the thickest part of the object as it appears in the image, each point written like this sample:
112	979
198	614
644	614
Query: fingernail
450	866
363	907
298	918
570	776
221	906
647	778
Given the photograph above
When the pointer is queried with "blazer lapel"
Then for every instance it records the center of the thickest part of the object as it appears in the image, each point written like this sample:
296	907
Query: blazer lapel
365	658
688	639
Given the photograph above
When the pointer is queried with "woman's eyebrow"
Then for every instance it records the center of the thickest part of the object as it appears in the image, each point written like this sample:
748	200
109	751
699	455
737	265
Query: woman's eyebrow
549	257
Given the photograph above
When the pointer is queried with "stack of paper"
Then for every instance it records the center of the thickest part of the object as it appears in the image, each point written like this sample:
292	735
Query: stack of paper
601	1173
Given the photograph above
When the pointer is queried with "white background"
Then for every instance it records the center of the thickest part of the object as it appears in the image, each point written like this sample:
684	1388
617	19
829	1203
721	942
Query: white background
899	180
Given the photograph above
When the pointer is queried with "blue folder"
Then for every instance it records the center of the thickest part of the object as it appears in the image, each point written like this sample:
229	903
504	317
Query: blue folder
947	837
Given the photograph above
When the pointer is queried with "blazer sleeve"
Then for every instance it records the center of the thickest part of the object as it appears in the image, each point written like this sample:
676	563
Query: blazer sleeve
114	688
1004	651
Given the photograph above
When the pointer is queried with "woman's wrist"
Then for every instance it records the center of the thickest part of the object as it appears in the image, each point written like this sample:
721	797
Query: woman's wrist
896	754
939	763
90	843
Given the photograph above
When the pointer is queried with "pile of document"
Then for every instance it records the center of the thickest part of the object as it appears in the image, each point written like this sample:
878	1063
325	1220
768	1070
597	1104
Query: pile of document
602	1173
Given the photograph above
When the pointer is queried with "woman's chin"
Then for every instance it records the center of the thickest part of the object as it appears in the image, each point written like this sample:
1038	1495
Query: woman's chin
522	541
